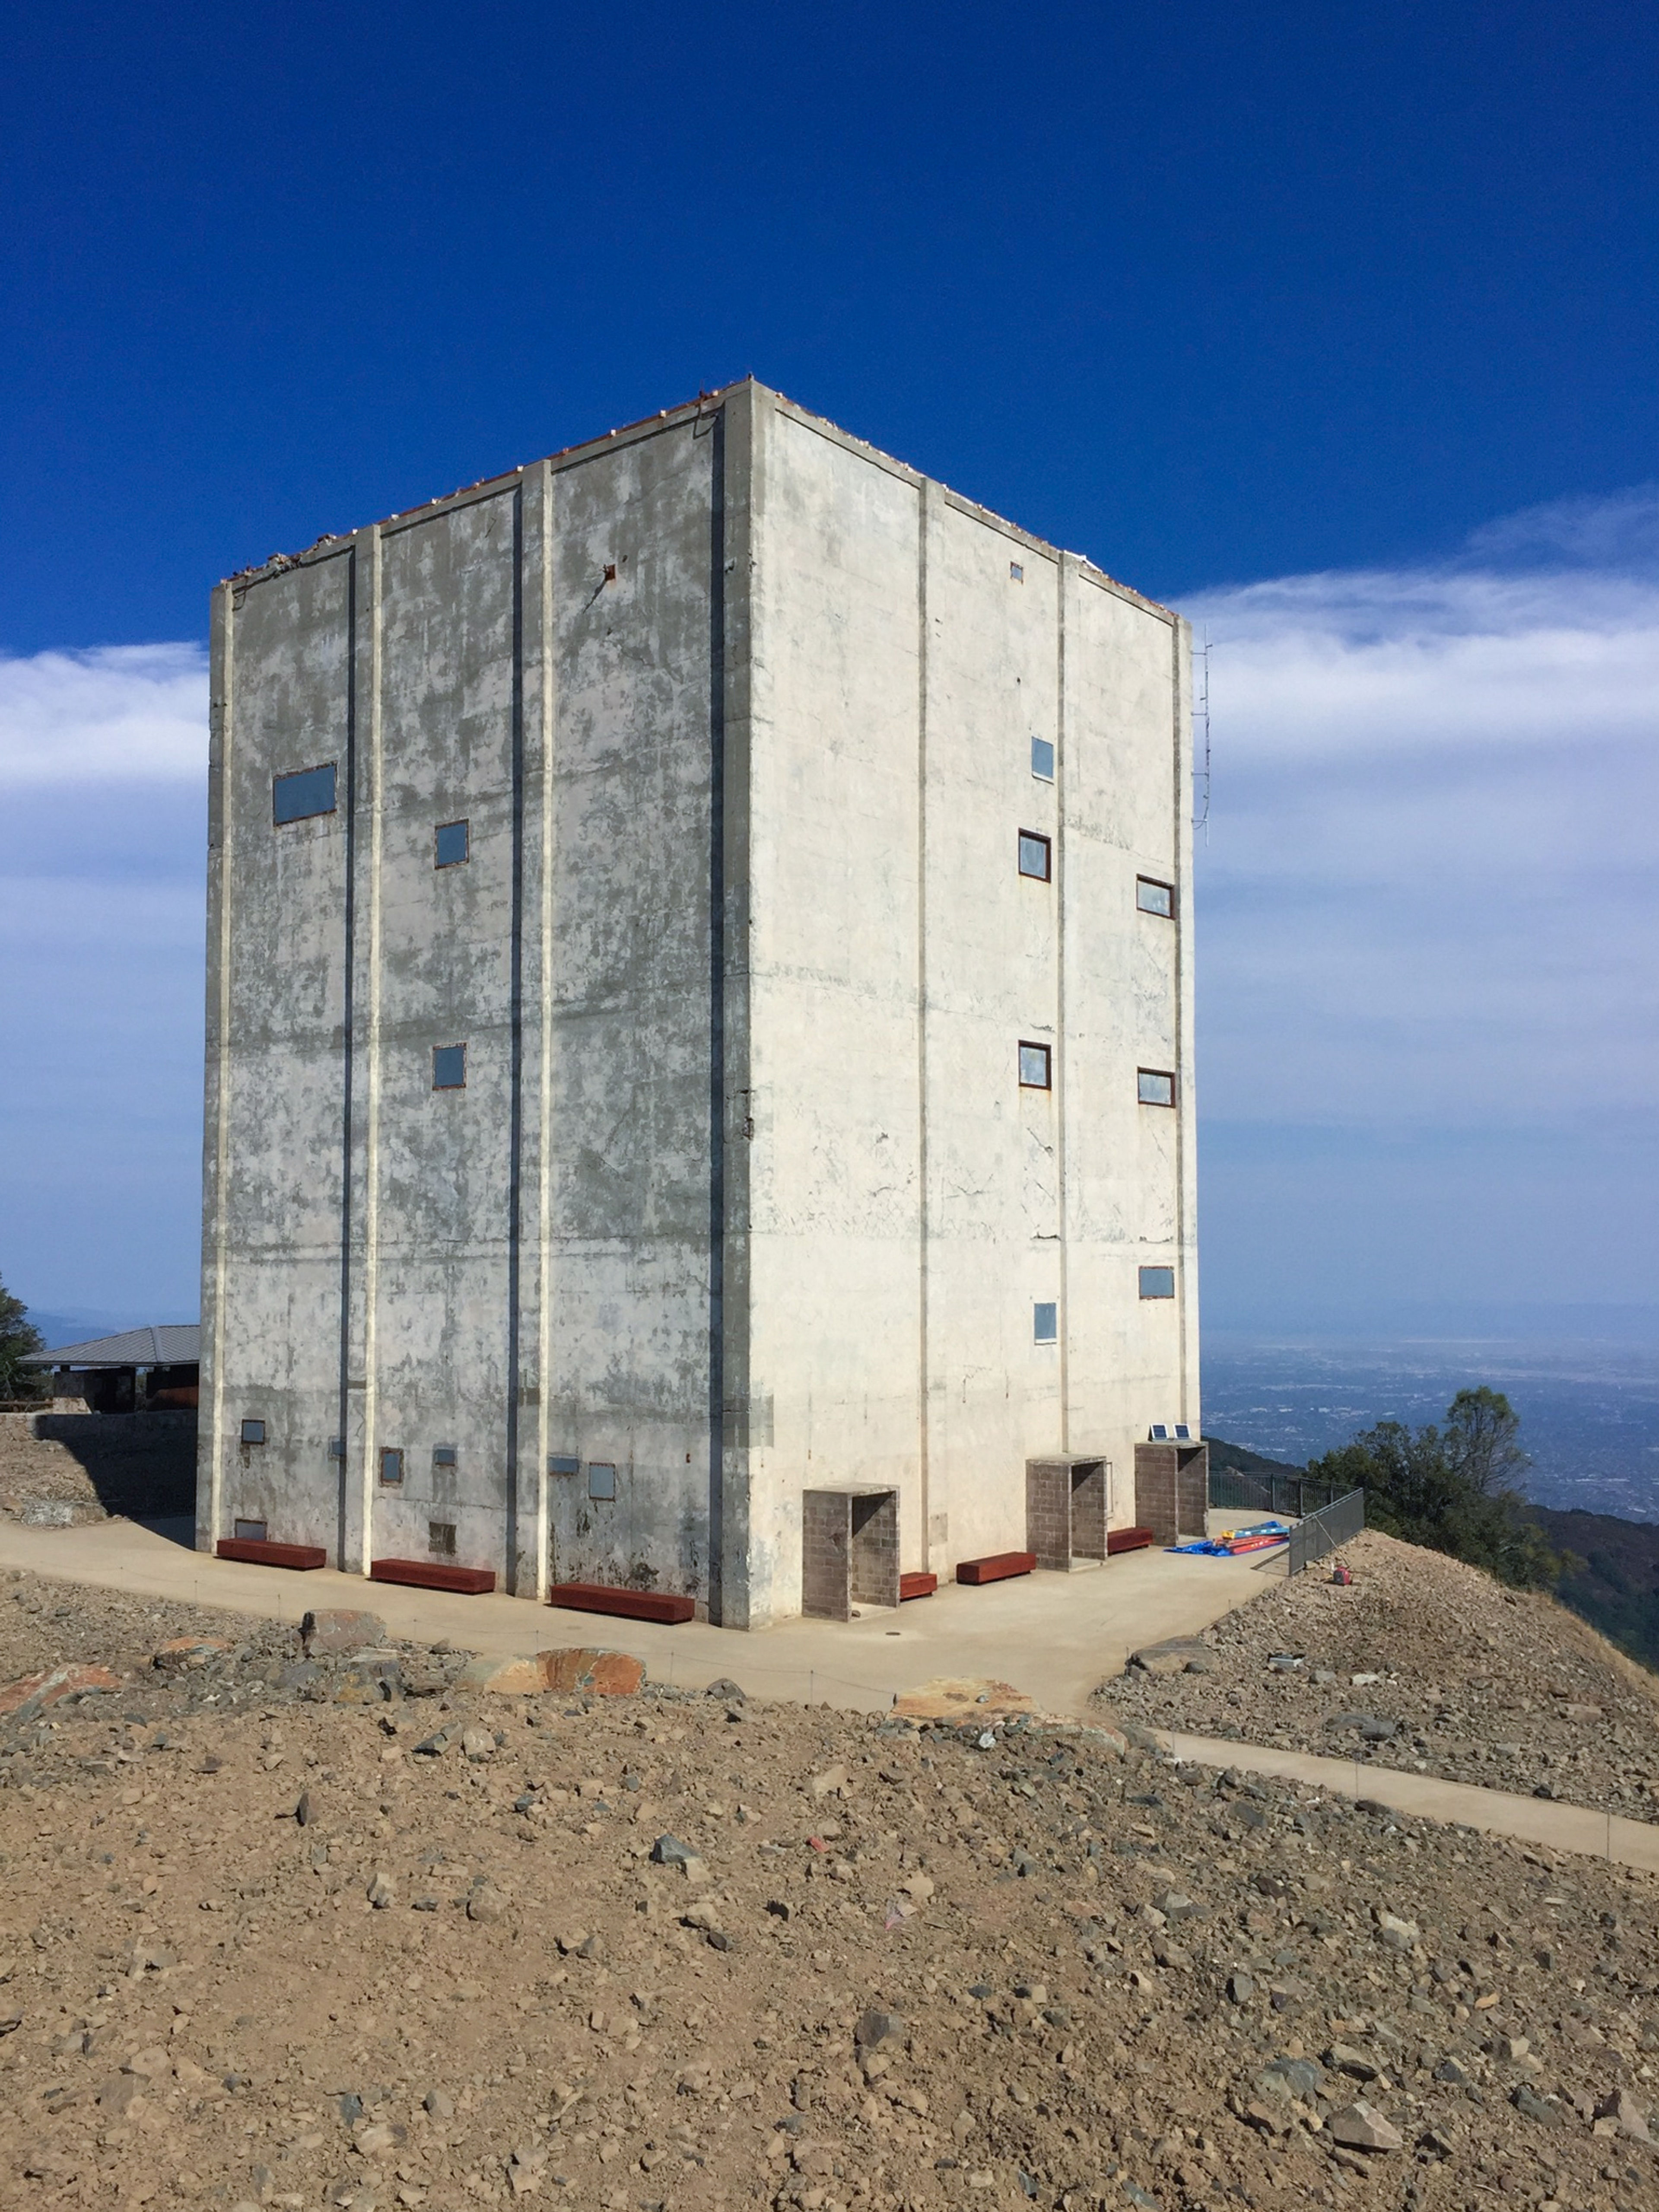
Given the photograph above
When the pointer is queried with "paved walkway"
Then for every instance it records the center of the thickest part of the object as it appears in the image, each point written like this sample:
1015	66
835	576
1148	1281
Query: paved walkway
1054	1637
1495	1812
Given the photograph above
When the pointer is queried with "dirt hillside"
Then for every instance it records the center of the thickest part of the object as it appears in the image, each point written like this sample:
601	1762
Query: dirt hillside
1426	1664
332	1929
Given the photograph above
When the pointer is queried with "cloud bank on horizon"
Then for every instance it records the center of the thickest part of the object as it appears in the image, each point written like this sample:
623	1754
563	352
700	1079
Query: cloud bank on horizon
1426	963
129	714
1427	905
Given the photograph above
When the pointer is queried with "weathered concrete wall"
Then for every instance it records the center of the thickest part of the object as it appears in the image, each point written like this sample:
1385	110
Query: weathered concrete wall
742	1195
912	1203
526	1260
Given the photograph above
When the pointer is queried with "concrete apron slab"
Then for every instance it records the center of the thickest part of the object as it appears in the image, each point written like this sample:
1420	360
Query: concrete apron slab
1572	1828
1055	1637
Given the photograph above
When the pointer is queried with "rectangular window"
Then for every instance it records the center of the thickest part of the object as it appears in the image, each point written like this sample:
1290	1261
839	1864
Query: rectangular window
1154	1087
1016	572
253	1432
440	1539
1153	897
1158	1282
308	790
1036	855
449	1068
336	1447
392	1466
601	1479
1045	1322
452	844
1036	1065
1042	759
251	1532
443	1454
563	1463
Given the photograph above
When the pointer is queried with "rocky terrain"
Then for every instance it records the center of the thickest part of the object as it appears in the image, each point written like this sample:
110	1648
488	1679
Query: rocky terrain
327	1922
1422	1664
58	1469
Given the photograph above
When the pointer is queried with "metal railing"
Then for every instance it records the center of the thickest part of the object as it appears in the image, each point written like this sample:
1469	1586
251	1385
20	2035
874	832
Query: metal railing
1326	1530
1287	1497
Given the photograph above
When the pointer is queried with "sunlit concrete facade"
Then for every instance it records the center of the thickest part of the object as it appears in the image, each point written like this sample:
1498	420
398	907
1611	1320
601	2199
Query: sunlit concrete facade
742	1193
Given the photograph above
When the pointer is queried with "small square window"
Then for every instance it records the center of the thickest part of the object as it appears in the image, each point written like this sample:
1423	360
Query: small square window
392	1466
251	1532
336	1447
1036	1066
1153	1087
1042	759
308	790
440	1539
601	1479
452	844
563	1463
1045	1322
1153	897
1016	572
1158	1282
1036	855
443	1454
253	1432
449	1068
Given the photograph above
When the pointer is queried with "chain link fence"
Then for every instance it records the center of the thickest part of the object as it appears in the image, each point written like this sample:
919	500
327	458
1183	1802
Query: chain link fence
1286	1497
1326	1530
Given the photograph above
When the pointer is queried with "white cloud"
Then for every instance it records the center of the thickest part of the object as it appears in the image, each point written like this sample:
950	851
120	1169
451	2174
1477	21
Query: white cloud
1429	891
116	713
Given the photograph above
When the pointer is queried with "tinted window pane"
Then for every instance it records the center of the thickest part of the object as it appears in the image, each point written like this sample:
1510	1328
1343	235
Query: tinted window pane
308	790
1154	899
250	1532
1156	1089
1033	1066
1042	759
253	1432
392	1466
454	844
601	1480
448	1066
1045	1324
1033	855
560	1463
1158	1282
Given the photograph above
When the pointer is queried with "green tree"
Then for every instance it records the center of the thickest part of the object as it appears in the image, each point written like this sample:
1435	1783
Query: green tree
18	1338
1451	1490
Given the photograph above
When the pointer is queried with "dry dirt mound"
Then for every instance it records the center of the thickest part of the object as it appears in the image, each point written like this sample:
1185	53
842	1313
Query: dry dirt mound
1426	1664
434	1949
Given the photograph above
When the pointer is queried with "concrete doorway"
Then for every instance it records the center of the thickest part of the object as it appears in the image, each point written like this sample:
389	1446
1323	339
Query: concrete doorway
1067	1505
1172	1489
849	1550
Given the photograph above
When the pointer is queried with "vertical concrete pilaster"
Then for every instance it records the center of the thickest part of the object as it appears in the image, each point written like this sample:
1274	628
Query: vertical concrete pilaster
1181	647
533	1575
360	1390
738	439
215	1121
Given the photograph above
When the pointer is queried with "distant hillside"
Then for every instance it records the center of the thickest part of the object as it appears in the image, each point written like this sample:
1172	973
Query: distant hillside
1618	1590
1238	1459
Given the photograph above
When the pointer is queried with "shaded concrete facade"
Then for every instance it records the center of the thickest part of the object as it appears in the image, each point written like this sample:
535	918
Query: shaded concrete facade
740	1194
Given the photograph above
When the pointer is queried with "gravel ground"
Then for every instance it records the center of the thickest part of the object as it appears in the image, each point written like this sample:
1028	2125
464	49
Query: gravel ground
326	1931
1470	1681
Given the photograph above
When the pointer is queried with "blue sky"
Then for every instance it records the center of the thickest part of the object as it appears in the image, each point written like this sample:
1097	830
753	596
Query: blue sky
1335	325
